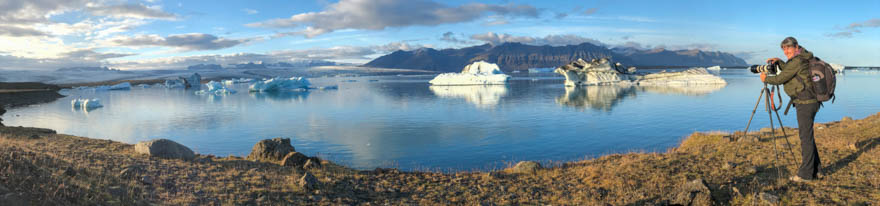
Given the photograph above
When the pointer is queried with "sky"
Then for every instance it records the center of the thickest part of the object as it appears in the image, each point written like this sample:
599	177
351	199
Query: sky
169	34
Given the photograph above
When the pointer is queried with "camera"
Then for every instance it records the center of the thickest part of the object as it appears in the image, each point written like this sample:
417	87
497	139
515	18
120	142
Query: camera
770	69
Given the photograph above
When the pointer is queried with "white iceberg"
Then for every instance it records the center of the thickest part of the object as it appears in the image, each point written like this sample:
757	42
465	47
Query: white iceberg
695	76
477	73
837	67
279	84
541	70
714	68
215	88
229	82
86	104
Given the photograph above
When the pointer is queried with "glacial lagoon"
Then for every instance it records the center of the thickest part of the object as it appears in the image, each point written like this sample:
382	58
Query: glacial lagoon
403	122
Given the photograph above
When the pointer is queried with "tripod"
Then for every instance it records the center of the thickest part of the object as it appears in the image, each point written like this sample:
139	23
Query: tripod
767	95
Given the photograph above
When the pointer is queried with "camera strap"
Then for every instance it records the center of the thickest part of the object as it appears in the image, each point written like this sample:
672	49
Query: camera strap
790	102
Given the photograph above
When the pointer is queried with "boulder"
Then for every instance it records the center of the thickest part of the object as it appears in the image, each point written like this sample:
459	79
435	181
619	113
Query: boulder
294	159
768	198
164	148
1	114
844	119
694	192
271	150
526	167
308	181
312	163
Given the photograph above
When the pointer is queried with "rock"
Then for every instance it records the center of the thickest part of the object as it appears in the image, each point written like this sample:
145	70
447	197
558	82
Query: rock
69	172
311	164
842	119
164	148
271	150
769	198
147	180
12	199
294	159
526	167
131	171
308	181
694	192
116	191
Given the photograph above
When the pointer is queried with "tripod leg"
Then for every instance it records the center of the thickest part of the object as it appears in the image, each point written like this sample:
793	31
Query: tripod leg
772	131
793	157
753	113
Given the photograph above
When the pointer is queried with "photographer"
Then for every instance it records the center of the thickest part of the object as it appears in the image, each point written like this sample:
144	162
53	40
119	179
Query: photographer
794	73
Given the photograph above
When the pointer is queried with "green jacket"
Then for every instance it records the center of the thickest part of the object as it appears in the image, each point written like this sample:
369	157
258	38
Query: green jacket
797	66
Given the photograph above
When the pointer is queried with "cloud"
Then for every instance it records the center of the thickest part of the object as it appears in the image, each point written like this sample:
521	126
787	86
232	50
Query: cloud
552	40
590	11
138	11
6	30
856	28
77	57
450	37
192	41
250	11
381	14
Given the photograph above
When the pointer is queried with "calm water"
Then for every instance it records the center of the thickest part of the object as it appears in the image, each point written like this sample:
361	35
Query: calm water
405	123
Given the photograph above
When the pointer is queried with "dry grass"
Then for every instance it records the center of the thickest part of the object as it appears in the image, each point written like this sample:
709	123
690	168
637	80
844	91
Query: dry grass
735	172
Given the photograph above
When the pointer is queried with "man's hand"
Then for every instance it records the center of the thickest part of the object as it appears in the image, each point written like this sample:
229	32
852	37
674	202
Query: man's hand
774	59
763	77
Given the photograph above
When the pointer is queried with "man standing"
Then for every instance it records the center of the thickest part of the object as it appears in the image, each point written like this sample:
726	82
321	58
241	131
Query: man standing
795	76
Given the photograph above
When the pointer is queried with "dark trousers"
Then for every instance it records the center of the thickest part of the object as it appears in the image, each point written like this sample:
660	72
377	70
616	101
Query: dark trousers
806	114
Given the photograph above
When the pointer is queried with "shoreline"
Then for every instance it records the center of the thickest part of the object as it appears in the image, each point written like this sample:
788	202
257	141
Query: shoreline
41	167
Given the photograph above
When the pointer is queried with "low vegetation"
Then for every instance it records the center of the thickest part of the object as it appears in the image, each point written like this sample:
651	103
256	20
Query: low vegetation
40	167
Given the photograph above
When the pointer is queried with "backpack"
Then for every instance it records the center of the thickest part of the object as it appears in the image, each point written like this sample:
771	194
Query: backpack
824	79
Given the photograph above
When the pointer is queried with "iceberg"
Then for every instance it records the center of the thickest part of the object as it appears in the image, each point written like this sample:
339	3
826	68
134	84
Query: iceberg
600	72
86	104
540	70
837	67
174	83
714	68
215	88
477	73
121	86
279	84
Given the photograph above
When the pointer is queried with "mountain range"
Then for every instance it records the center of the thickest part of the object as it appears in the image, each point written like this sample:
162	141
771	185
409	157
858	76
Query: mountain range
517	56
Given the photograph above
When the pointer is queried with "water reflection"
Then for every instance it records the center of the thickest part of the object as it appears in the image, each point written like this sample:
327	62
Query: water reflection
690	90
601	98
483	96
282	96
605	97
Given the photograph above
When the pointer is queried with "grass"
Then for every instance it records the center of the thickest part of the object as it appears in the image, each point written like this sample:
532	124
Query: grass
55	169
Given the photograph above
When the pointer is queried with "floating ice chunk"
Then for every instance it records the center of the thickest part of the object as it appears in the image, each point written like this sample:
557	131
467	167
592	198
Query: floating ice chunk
228	82
121	86
714	68
215	88
837	67
541	70
477	73
175	83
143	85
279	84
86	104
332	87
